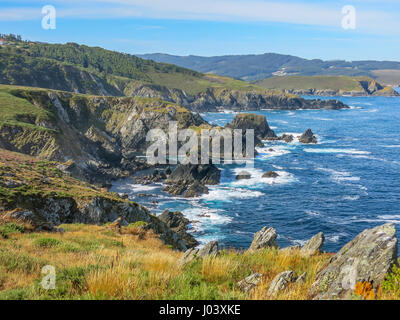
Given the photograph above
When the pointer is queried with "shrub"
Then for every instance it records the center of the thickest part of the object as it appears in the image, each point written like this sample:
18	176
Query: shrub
392	282
47	242
10	228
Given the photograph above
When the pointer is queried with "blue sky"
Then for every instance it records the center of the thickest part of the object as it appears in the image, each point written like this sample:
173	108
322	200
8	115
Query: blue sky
307	28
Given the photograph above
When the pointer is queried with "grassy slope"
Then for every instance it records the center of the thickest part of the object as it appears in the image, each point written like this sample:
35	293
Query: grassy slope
100	262
387	77
315	82
19	60
37	177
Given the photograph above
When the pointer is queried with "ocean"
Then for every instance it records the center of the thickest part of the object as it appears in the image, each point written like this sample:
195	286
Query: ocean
346	183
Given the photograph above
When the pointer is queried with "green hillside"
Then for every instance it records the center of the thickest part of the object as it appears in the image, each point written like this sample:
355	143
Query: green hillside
93	70
334	84
315	82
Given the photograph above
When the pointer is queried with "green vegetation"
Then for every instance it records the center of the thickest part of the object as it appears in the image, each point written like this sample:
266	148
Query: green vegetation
94	70
257	67
315	82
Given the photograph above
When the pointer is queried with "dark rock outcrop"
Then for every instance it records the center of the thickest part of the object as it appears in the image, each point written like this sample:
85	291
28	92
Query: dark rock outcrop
265	238
45	213
243	175
190	180
369	257
270	174
287	138
205	174
196	190
308	137
178	224
257	122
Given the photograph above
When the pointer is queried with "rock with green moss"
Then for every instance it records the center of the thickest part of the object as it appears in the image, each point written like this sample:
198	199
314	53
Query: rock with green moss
369	257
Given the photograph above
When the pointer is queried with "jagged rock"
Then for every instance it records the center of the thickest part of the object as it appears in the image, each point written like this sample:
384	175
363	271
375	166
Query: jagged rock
249	283
37	221
243	175
176	189
369	257
301	278
270	174
265	238
314	245
287	138
189	256
205	174
179	224
257	122
308	137
280	282
196	190
211	249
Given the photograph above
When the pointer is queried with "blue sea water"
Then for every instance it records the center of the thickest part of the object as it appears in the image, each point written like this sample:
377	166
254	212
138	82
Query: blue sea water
346	183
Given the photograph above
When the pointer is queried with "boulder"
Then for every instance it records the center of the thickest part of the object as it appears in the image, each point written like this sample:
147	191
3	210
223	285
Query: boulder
265	238
308	137
249	283
243	175
270	174
367	258
280	282
314	245
211	249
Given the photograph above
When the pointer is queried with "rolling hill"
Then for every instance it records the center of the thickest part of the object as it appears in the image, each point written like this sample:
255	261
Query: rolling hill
257	67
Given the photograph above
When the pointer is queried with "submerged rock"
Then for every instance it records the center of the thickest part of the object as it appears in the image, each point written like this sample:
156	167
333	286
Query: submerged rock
314	245
249	283
369	257
308	137
265	238
270	174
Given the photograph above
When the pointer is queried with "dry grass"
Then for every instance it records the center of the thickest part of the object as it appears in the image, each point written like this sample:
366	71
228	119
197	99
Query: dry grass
101	262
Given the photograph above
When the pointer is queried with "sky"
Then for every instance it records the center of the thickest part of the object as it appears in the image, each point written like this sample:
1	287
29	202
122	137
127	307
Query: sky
306	28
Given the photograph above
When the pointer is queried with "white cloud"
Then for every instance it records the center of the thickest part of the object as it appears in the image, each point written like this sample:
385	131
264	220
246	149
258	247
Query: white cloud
328	14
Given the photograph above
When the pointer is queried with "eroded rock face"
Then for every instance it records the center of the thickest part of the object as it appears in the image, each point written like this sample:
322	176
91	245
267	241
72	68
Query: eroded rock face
258	123
191	180
265	238
369	257
314	245
179	224
280	282
249	283
308	137
205	174
196	190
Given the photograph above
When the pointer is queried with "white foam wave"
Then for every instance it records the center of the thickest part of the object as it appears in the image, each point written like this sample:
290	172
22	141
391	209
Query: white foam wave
257	180
333	150
340	176
228	194
351	198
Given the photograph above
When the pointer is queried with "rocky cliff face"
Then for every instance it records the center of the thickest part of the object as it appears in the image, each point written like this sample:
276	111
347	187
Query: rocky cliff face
213	100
